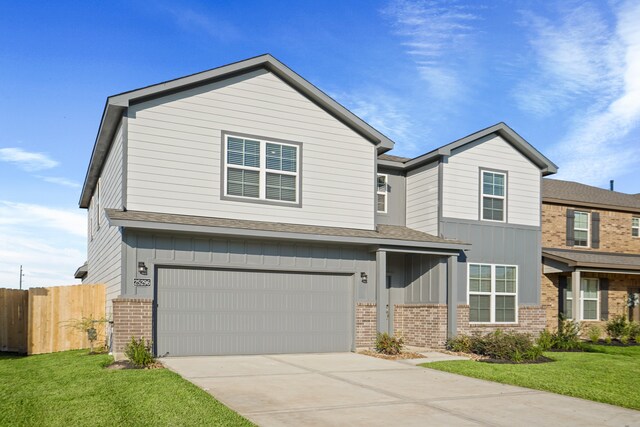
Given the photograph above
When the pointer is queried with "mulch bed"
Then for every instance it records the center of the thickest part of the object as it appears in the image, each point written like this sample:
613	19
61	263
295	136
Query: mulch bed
401	356
125	364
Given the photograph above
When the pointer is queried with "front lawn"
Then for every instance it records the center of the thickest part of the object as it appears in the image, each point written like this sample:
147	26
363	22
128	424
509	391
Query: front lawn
73	388
605	374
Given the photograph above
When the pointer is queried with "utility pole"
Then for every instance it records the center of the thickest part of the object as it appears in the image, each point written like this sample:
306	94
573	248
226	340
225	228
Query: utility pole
21	275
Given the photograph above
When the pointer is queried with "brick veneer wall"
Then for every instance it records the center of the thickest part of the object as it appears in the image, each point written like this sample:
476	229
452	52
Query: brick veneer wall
366	324
132	317
615	229
619	286
422	325
531	320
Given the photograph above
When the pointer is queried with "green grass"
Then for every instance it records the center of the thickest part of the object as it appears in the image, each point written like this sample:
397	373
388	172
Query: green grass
73	389
604	374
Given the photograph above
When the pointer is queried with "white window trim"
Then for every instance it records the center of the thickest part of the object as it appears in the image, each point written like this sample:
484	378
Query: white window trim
583	299
262	170
588	229
482	196
98	202
635	227
384	193
569	300
493	293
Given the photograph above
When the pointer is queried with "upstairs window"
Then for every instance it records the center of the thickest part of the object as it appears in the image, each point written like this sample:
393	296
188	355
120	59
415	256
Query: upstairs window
635	227
494	185
261	170
581	229
382	193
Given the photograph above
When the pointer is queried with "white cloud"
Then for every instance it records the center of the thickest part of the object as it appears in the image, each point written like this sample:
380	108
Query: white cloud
49	243
31	215
211	25
437	36
29	161
595	148
61	181
387	113
575	57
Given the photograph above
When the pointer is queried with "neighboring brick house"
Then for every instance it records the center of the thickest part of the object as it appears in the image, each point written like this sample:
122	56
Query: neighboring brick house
590	236
242	211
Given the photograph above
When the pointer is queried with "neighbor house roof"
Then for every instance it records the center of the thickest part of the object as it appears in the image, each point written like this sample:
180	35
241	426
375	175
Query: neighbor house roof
593	259
82	271
384	234
574	193
116	105
536	157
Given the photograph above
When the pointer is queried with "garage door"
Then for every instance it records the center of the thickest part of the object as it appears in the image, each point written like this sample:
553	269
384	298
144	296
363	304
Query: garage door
216	311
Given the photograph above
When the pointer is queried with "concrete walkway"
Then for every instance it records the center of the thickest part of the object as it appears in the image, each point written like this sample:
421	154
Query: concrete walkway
352	389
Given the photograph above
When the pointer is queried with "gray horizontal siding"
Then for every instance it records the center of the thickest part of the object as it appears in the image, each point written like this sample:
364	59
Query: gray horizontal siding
105	249
174	149
422	198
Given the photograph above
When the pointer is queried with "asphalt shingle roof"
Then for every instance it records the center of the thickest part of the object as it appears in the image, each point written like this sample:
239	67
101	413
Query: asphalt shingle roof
392	158
390	232
575	192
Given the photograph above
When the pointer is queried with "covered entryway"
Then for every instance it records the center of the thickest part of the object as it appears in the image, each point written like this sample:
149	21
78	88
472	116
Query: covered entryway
204	311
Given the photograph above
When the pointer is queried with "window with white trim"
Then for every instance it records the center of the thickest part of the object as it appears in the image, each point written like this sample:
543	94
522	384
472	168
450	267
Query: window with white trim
581	229
589	306
493	200
262	170
382	193
568	300
635	227
493	293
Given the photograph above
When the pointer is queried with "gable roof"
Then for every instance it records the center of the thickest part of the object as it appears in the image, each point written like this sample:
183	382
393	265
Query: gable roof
575	193
116	105
546	166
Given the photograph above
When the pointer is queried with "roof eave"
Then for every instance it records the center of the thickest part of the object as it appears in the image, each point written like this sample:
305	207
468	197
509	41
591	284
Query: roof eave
566	202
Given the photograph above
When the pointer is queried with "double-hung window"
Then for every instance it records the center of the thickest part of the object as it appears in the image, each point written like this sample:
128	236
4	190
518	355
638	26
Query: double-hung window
635	226
382	193
261	170
493	198
581	229
589	301
493	293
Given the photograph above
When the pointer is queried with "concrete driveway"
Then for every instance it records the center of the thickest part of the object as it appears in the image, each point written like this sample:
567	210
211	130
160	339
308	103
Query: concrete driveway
352	389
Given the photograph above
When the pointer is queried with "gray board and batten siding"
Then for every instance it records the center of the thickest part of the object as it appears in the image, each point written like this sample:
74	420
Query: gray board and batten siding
499	243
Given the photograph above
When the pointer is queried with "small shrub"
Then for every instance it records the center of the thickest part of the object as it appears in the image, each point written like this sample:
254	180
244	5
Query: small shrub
594	333
617	326
388	344
460	344
567	337
624	339
607	340
633	329
139	353
545	340
637	339
507	346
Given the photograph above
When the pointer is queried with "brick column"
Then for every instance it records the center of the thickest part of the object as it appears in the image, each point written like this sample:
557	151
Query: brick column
132	317
365	324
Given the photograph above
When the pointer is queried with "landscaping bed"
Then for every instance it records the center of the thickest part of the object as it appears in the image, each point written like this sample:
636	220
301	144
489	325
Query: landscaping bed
400	356
72	388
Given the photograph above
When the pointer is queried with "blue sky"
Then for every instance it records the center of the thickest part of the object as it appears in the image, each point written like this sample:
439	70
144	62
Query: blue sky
565	76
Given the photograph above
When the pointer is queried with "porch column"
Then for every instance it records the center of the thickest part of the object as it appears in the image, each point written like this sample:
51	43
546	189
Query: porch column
575	292
452	296
382	295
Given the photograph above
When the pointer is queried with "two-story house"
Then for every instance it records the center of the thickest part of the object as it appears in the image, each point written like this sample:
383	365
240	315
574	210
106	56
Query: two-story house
243	211
590	238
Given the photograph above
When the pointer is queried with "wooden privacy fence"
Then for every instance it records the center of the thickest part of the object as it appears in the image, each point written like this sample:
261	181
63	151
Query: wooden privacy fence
39	320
